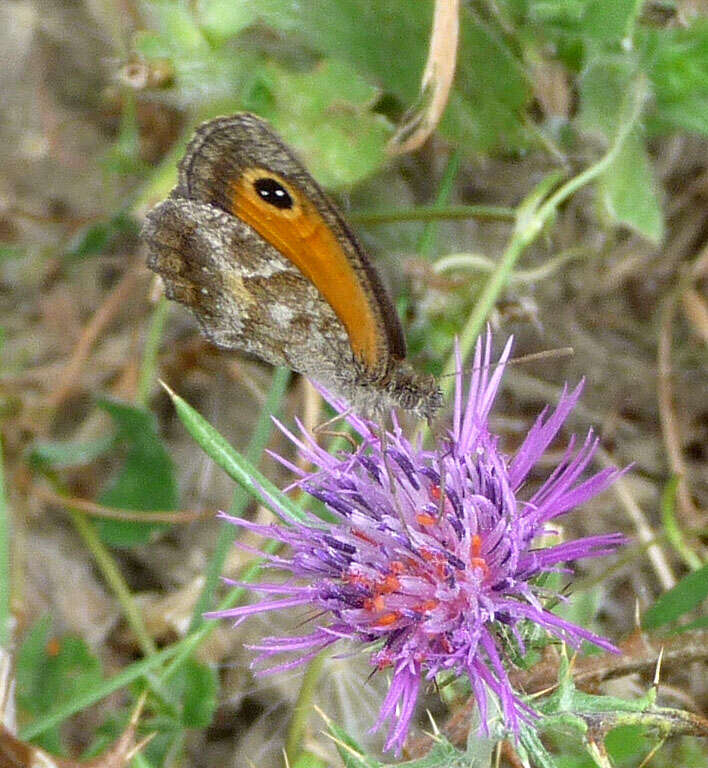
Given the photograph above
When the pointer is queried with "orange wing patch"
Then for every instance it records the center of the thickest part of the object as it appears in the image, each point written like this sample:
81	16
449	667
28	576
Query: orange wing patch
300	233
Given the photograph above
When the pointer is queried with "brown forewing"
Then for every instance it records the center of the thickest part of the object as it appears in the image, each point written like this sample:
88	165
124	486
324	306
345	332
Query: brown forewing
224	148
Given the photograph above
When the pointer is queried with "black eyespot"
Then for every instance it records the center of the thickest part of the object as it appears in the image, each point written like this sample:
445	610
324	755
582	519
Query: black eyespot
273	192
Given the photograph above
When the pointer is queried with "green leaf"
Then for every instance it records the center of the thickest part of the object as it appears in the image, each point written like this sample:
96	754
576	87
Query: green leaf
326	114
598	22
534	747
490	95
676	60
336	58
687	595
609	20
222	19
200	688
386	43
628	190
603	92
352	754
628	744
569	714
146	480
308	760
60	454
163	730
129	674
701	623
51	672
30	658
237	466
203	72
179	30
441	755
241	497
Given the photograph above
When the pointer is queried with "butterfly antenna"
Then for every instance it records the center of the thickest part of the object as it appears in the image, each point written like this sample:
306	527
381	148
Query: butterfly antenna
321	429
546	354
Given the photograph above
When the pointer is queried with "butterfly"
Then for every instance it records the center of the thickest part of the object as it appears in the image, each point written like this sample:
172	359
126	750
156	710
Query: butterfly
250	243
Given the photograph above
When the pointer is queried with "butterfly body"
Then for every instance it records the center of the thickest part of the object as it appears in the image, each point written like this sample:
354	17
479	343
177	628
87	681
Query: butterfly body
251	244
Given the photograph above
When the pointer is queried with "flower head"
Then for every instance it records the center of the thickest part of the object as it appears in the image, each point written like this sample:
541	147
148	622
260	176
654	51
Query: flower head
430	557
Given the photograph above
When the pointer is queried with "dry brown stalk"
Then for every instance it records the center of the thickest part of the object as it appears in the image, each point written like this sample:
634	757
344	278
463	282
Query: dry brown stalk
421	120
101	318
125	515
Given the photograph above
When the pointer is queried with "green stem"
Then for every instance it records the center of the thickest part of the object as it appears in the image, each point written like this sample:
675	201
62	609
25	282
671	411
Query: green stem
177	652
196	638
152	346
5	611
482	308
671	527
303	707
241	497
531	217
530	222
427	240
434	213
114	579
85	699
478	263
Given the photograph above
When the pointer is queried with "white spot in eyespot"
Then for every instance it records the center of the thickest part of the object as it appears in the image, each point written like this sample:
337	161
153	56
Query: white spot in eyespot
205	291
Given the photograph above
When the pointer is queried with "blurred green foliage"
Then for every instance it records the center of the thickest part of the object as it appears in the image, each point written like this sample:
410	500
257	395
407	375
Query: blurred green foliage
146	480
51	671
333	76
685	597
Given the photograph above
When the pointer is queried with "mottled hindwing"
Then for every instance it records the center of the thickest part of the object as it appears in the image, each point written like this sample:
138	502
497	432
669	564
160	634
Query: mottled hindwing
243	292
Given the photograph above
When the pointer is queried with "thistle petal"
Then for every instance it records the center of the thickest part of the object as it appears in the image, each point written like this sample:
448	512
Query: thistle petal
430	558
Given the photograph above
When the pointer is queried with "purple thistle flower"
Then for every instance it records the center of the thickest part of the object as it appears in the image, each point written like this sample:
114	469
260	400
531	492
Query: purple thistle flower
430	557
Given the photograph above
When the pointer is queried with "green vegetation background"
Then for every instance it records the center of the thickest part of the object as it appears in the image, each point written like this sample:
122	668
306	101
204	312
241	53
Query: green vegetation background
542	87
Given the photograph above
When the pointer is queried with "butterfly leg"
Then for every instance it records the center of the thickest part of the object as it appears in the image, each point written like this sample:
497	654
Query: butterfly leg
321	429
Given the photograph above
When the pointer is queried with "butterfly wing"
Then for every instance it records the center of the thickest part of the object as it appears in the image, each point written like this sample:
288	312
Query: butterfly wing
238	165
243	292
250	243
